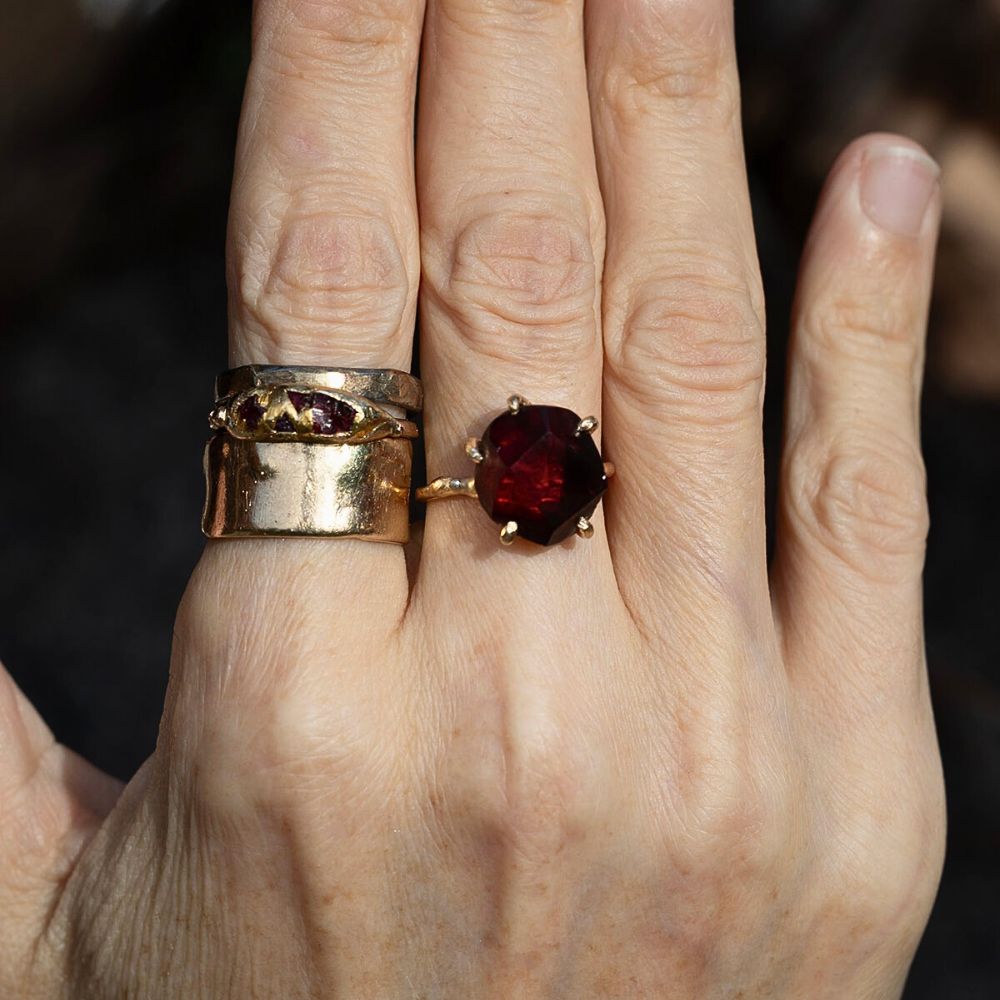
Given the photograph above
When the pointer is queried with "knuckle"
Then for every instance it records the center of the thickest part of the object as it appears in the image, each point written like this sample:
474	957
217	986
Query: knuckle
524	789
520	13
323	272
887	894
543	806
236	770
521	283
675	51
730	805
361	25
872	328
692	340
863	500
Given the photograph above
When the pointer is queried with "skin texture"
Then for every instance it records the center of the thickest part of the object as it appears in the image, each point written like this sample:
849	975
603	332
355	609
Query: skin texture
647	765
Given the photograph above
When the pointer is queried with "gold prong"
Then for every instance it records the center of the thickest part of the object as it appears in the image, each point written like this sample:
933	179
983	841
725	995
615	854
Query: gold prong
445	487
609	469
584	528
218	417
515	403
508	533
587	426
474	449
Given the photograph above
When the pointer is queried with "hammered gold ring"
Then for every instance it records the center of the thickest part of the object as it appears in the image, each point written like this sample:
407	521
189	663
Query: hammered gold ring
311	451
383	386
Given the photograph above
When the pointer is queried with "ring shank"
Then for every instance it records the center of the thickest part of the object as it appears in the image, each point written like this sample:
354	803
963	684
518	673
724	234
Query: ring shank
266	488
385	386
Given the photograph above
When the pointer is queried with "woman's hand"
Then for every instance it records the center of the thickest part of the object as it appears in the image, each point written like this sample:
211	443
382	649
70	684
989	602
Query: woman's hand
642	766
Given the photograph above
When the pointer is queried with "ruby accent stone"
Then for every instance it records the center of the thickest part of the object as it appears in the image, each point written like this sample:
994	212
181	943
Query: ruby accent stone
300	400
250	411
539	472
332	416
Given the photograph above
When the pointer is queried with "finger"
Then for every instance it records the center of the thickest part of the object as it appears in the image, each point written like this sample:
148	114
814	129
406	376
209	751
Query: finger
323	250
51	804
511	228
853	516
683	317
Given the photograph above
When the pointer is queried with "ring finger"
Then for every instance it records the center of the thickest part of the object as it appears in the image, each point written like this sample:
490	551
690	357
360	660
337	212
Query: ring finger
683	316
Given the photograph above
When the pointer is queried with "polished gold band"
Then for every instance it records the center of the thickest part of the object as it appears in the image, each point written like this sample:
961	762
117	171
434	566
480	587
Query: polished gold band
262	488
311	451
384	386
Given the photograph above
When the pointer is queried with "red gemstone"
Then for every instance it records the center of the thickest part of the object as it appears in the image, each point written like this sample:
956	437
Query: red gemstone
331	416
250	411
539	472
300	400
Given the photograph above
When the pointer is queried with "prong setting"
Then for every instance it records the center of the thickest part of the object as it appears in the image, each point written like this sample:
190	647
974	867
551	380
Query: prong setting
474	449
584	528
514	404
587	426
508	533
218	417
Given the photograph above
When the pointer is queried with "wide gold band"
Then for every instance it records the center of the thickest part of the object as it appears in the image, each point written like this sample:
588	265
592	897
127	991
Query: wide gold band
260	488
385	386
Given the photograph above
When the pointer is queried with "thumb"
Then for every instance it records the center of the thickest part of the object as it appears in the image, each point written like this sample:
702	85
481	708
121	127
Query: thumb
51	803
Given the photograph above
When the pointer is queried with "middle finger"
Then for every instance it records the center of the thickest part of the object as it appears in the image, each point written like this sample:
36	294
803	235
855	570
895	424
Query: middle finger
512	235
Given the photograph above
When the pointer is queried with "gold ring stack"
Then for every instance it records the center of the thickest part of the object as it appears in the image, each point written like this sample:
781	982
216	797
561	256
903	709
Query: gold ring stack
311	451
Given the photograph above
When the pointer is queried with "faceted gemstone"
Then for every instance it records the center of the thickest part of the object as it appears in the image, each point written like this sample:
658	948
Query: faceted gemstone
539	472
331	416
284	424
300	400
250	411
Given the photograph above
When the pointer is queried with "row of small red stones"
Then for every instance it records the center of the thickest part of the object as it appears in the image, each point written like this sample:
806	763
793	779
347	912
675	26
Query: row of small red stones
329	415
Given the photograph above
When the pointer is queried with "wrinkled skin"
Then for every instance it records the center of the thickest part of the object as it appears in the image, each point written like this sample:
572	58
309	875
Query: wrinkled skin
647	765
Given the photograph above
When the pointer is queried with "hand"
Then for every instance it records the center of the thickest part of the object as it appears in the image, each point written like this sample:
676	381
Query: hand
640	766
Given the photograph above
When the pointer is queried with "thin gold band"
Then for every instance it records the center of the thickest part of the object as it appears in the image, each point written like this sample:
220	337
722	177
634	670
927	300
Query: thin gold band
385	386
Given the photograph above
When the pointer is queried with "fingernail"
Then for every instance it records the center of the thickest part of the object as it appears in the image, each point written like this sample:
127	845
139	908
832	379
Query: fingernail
897	185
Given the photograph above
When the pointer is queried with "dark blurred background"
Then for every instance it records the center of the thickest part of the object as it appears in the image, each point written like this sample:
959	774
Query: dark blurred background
117	125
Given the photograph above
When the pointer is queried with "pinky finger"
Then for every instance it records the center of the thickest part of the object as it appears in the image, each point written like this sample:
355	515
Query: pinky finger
853	516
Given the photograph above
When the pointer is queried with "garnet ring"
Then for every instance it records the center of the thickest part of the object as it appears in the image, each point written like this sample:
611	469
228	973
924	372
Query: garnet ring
539	474
309	451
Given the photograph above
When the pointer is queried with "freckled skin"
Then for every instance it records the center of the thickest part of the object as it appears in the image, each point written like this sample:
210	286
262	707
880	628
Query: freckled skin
641	765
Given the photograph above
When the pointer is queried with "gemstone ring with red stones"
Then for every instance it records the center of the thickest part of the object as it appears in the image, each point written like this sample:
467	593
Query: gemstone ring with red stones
539	474
303	413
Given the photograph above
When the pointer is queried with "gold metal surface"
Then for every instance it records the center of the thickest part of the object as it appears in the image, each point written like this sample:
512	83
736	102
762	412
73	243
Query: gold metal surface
584	528
257	488
514	404
385	386
273	406
445	487
508	533
474	449
587	426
